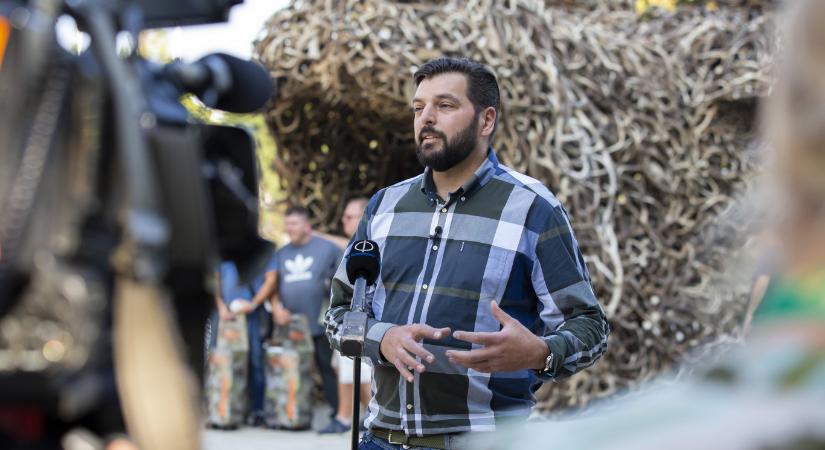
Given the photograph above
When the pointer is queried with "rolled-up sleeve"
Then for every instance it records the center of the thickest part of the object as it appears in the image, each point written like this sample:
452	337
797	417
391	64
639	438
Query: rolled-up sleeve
575	325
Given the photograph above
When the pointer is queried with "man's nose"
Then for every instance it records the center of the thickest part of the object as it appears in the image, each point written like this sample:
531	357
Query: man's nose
428	115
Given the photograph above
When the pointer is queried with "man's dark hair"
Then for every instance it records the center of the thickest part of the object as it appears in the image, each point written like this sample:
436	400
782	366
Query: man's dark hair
482	87
298	210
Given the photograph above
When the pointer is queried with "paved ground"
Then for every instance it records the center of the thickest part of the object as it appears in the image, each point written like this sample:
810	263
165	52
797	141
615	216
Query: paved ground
259	439
246	438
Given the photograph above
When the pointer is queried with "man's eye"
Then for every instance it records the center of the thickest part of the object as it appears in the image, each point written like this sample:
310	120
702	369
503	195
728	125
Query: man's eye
446	105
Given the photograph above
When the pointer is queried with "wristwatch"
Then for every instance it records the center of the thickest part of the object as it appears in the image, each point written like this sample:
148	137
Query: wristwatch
548	365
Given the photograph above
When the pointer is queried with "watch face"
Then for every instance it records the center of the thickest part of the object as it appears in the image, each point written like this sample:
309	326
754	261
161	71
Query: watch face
548	362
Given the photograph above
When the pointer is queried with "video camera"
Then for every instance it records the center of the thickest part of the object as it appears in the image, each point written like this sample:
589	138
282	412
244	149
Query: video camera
115	208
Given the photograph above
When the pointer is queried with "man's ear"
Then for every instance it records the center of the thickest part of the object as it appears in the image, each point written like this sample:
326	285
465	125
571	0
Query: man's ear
488	121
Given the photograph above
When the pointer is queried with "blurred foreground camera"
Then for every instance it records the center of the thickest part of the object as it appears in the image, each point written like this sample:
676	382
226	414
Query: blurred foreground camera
115	208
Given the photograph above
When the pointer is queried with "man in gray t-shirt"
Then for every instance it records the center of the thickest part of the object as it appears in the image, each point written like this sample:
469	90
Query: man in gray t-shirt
304	269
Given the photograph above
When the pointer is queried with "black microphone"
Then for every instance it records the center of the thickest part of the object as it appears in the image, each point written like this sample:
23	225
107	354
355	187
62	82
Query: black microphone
364	260
363	266
225	82
436	233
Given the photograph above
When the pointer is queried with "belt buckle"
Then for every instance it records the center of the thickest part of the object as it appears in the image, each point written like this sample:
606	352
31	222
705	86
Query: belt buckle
392	438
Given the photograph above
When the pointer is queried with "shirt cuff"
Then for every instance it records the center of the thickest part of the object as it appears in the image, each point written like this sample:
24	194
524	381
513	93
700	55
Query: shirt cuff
372	344
557	346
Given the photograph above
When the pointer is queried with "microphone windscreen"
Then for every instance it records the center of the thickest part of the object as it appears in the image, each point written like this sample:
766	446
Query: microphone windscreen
251	85
364	259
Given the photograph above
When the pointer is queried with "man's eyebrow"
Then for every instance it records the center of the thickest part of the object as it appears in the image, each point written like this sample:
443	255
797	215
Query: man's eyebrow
440	97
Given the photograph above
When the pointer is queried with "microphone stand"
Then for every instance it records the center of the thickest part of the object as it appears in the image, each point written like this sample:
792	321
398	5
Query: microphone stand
359	300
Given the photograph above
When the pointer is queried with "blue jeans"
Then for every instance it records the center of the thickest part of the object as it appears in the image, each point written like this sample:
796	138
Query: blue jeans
372	442
257	376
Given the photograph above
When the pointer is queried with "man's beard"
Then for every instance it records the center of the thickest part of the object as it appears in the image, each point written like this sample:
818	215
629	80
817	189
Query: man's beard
452	152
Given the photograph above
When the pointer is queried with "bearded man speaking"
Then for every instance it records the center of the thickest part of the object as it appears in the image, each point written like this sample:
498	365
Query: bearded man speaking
482	292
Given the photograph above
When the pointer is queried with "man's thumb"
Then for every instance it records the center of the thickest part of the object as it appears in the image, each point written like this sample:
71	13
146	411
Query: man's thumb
499	313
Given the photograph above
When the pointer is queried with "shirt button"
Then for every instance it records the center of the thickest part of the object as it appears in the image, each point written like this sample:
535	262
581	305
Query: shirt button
435	247
424	287
443	209
409	406
463	199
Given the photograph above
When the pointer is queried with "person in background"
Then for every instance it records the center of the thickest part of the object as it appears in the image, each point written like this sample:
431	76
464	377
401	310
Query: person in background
302	272
234	298
343	419
793	120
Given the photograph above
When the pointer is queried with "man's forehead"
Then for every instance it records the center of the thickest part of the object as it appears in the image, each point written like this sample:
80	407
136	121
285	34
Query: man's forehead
450	84
353	208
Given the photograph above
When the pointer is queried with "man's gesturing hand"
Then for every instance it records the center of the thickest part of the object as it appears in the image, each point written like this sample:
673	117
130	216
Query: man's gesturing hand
514	347
402	343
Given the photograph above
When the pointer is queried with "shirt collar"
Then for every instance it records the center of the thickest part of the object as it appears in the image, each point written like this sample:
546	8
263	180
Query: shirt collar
482	176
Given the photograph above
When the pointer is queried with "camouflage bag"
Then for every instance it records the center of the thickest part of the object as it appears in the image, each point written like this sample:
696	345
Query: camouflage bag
289	359
226	385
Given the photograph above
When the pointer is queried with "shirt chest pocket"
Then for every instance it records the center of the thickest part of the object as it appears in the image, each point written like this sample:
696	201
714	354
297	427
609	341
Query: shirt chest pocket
478	270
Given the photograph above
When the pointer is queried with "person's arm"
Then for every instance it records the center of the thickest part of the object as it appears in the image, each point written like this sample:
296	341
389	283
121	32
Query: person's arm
266	290
575	325
223	312
280	315
340	301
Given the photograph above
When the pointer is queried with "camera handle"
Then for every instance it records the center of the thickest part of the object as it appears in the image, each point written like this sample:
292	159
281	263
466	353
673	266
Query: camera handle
149	368
146	232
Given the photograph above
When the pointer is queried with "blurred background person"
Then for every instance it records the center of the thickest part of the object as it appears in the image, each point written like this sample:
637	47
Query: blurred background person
343	419
794	124
303	270
235	298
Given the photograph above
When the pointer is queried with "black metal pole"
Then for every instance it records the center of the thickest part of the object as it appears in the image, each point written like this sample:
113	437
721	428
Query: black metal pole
359	300
356	400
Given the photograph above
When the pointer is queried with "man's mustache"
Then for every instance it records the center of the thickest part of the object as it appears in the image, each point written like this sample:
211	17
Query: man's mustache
431	130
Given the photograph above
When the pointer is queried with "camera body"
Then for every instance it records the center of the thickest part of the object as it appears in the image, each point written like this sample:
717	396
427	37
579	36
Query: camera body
165	13
106	177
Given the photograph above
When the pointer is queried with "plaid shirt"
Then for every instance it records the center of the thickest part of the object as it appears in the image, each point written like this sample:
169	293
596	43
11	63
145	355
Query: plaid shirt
504	237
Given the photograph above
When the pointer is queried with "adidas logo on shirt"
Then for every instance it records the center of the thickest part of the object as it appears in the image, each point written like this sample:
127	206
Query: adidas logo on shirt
298	269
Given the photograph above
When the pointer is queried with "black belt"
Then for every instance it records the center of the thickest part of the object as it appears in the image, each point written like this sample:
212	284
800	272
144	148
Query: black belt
398	437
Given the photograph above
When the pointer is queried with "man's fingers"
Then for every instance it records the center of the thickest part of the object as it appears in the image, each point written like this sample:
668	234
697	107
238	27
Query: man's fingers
470	358
405	363
425	331
499	313
479	337
441	333
418	350
402	370
410	363
481	365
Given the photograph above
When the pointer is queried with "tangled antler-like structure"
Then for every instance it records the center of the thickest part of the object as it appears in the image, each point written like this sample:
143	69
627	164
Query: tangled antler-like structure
640	125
